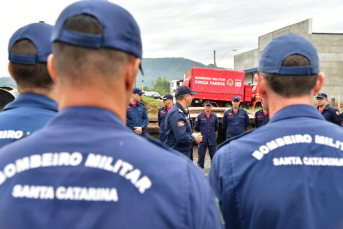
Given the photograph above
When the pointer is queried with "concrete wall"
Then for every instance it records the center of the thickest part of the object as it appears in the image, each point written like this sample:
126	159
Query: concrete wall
249	78
246	60
330	52
303	28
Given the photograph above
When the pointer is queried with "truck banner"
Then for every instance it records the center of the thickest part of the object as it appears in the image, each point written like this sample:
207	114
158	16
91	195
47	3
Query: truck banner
215	84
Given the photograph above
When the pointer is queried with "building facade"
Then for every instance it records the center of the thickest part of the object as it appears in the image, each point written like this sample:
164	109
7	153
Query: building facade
330	52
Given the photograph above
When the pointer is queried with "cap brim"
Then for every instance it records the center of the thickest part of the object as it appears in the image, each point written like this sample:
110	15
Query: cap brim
193	93
320	97
142	93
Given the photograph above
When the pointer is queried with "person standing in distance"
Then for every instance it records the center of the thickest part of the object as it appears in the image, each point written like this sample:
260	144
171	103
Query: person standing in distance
137	116
261	116
162	114
28	50
235	120
178	129
207	123
86	169
330	113
269	177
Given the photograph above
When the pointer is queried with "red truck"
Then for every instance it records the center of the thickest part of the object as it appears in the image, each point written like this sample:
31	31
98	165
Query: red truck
220	86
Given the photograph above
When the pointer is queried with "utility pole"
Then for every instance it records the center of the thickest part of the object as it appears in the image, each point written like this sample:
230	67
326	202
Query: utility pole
215	64
214	57
171	75
171	79
142	82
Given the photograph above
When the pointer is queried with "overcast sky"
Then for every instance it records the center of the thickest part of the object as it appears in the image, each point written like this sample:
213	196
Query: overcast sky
191	29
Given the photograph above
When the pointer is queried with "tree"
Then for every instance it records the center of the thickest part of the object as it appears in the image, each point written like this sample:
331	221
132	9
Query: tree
161	85
146	88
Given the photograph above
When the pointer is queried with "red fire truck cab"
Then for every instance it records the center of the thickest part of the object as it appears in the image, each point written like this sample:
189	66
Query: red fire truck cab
220	86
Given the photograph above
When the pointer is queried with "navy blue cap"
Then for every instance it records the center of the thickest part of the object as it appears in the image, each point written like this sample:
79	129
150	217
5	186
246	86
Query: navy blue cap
208	103
322	95
184	90
137	91
121	31
236	98
39	34
167	96
280	48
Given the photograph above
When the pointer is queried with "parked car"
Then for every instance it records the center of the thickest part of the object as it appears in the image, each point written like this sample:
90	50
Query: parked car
148	93
156	95
153	94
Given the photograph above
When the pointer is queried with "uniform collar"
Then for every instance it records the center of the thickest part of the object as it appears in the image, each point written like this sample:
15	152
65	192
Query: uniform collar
326	107
295	111
137	104
263	112
32	100
181	107
87	115
233	111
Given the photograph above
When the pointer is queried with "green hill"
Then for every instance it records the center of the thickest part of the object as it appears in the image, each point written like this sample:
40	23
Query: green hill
7	81
154	67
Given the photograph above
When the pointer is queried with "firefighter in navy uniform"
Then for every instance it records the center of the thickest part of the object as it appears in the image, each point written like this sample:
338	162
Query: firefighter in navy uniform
207	123
136	115
261	116
162	114
28	50
86	169
287	174
235	120
330	113
178	129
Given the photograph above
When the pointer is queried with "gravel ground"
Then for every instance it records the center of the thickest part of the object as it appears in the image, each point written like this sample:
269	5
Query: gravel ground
207	164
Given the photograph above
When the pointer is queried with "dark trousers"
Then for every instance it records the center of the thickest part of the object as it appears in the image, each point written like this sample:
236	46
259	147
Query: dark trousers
188	154
202	151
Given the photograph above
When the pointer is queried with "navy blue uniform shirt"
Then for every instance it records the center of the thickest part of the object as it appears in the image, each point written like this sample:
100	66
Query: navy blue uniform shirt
26	114
207	127
137	116
235	124
85	169
161	118
331	114
287	174
178	130
261	119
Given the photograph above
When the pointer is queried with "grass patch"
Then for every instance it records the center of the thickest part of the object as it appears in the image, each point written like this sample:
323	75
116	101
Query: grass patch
154	136
252	111
151	102
152	105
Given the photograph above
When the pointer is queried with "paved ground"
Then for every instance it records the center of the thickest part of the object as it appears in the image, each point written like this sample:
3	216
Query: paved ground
207	165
